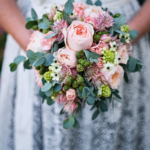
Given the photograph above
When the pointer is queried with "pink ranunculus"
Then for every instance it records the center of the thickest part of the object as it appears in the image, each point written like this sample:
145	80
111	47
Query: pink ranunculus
105	38
114	76
71	107
38	78
99	47
35	42
71	95
100	63
123	53
79	36
47	43
66	57
79	9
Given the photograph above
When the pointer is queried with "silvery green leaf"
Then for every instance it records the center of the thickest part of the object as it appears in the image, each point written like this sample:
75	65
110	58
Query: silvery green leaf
50	101
98	3
19	59
121	32
90	100
46	21
28	19
31	55
131	64
68	123
69	7
50	35
95	114
89	2
42	25
30	24
133	34
34	14
48	59
46	87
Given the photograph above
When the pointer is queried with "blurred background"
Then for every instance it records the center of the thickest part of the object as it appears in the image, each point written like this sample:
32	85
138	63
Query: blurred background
3	36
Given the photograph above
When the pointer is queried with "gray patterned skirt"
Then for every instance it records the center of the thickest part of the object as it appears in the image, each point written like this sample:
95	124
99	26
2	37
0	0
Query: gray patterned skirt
26	124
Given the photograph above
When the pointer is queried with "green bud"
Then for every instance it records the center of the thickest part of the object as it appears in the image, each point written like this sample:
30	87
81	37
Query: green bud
75	84
45	16
104	32
45	31
81	87
80	61
106	92
42	71
35	27
116	15
80	68
100	33
87	64
80	79
66	87
80	54
109	56
53	97
43	67
40	20
69	81
37	68
60	92
96	38
124	28
47	76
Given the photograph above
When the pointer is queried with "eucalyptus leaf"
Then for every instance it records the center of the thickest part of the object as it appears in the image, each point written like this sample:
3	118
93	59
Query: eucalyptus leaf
76	124
50	101
98	3
46	21
13	67
38	62
95	114
19	59
69	7
28	19
117	95
110	98
62	111
42	25
133	34
50	35
126	77
111	31
68	123
131	64
46	87
30	24
84	94
56	47
101	115
49	92
103	106
27	64
118	100
34	14
48	59
57	87
42	94
121	32
43	81
31	55
89	2
91	100
89	90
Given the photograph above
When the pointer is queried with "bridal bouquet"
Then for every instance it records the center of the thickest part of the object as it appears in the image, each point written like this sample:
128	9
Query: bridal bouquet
80	54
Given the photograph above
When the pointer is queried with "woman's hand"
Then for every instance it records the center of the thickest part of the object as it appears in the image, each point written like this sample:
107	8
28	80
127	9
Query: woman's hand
141	22
13	22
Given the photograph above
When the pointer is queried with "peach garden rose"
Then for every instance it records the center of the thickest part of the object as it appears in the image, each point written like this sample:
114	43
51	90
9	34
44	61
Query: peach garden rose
71	94
79	36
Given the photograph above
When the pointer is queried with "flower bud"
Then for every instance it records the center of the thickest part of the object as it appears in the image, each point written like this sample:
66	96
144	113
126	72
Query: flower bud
45	31
69	81
74	84
37	68
66	87
106	92
96	38
124	28
42	71
80	79
109	56
47	76
81	87
87	64
35	27
80	68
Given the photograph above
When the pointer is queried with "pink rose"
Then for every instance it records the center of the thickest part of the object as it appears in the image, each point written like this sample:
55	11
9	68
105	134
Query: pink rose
99	47
114	76
79	36
35	42
66	57
79	9
47	43
71	95
123	53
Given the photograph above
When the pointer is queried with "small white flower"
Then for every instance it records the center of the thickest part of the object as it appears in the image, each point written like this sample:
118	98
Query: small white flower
117	59
99	91
56	68
122	36
127	37
113	46
108	66
55	76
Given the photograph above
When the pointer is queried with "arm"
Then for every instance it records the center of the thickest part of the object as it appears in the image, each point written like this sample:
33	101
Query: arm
13	22
141	22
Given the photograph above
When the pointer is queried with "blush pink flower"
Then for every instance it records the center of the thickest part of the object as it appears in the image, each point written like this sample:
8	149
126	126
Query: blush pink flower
74	72
66	57
61	98
71	107
71	95
38	78
79	9
79	36
123	53
47	43
99	47
114	76
100	63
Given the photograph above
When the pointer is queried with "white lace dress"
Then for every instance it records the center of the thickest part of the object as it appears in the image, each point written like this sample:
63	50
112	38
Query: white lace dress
26	124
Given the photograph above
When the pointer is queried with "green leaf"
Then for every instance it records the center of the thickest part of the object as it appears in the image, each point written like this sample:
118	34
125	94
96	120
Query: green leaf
19	59
133	34
57	87
117	95
34	14
84	94
123	40
30	24
42	94
91	100
131	64
69	7
101	115
118	100
95	114
31	55
90	92
49	92
40	60
46	21
48	59
46	87
121	20
62	111
56	47
42	25
126	77
68	123
27	64
110	98
43	81
103	106
87	54
50	101
76	124
89	2
13	67
98	3
121	32
50	35
28	19
111	30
